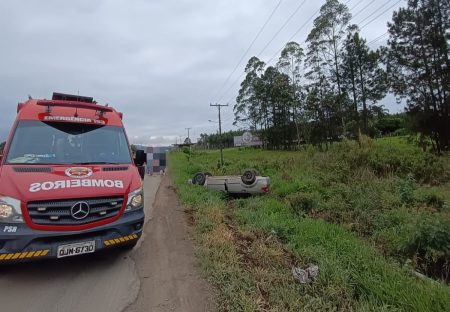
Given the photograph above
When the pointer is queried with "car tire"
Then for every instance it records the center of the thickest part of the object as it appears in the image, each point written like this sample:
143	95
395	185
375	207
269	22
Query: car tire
249	177
199	178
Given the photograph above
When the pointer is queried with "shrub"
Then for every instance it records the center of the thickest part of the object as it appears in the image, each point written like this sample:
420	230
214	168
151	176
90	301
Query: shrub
406	189
386	157
302	203
430	246
432	200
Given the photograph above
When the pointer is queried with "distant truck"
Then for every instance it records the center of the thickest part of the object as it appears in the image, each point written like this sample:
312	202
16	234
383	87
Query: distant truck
68	184
250	183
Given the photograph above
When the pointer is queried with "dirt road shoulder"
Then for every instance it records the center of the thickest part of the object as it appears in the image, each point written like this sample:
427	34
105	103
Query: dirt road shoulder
165	261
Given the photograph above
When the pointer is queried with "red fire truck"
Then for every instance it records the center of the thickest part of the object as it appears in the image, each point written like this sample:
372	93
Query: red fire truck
68	183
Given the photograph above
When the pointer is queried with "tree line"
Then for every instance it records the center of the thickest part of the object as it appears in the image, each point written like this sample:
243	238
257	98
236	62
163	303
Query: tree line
331	89
213	141
384	125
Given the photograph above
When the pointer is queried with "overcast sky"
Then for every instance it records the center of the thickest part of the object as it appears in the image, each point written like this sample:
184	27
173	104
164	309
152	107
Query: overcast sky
160	62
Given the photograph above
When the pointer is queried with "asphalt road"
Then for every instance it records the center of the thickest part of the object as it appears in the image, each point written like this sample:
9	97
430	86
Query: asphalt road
157	275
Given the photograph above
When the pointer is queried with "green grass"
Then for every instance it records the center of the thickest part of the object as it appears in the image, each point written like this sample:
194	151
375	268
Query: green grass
367	212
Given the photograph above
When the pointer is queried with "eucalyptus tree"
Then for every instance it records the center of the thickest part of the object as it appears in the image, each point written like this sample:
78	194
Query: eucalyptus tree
247	109
290	63
419	68
325	41
275	98
363	77
322	110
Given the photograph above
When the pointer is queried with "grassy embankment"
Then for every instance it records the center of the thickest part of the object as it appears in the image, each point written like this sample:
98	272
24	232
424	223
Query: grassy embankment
368	213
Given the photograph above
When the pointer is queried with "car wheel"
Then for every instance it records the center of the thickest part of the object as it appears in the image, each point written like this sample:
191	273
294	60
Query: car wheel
199	178
249	177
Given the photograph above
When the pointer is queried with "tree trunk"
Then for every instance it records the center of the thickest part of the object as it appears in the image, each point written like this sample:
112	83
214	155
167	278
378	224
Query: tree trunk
338	81
355	101
363	95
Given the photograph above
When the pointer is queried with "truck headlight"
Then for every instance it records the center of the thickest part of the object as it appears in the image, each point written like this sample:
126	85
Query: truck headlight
135	200
10	211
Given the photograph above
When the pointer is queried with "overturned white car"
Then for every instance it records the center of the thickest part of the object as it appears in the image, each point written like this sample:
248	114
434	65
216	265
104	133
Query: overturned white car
249	183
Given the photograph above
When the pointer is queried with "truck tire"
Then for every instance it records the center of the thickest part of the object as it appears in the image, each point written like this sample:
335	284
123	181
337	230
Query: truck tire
141	170
128	246
249	177
199	179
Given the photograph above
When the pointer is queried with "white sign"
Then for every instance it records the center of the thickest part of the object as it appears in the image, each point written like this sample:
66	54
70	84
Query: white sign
247	139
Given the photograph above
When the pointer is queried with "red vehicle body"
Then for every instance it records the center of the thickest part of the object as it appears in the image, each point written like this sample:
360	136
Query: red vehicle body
68	184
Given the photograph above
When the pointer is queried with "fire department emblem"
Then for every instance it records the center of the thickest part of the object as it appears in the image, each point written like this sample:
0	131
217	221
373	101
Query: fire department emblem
78	172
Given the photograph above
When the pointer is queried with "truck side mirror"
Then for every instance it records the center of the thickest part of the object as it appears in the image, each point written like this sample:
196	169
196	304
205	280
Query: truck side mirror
140	158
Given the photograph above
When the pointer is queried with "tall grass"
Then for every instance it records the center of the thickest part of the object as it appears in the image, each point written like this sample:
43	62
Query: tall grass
367	212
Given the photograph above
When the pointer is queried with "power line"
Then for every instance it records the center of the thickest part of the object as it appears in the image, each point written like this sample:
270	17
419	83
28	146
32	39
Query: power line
249	47
376	17
297	31
378	38
371	14
269	42
374	12
295	34
312	16
365	7
234	82
228	118
282	27
300	29
354	7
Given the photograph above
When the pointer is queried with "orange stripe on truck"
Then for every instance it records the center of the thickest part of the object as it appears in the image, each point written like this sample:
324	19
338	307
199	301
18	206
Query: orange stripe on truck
24	255
119	240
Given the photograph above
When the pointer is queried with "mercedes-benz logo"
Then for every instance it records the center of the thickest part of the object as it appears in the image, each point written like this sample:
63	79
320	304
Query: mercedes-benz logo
80	210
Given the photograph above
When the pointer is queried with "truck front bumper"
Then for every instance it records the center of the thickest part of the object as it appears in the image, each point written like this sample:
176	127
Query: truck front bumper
20	243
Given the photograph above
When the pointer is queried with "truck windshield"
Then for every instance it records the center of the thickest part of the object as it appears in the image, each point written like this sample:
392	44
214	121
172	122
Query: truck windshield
37	142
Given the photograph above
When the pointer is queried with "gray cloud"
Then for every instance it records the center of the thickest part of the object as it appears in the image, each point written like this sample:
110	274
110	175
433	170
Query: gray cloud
159	62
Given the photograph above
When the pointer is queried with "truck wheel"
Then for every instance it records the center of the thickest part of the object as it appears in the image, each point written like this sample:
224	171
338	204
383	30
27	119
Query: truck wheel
249	177
199	178
128	246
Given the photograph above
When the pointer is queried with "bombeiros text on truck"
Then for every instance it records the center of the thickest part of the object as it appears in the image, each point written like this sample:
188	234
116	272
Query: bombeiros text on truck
68	183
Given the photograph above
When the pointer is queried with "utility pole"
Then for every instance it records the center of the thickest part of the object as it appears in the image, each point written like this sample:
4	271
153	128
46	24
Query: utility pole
188	131
219	106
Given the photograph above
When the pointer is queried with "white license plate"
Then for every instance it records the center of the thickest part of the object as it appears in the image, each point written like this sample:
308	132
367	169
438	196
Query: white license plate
75	249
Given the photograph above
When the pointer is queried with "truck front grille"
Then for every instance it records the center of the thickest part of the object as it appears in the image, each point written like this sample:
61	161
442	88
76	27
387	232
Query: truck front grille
58	212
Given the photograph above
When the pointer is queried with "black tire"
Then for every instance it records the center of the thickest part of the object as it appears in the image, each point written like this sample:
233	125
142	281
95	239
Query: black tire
141	170
128	246
249	177
199	179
